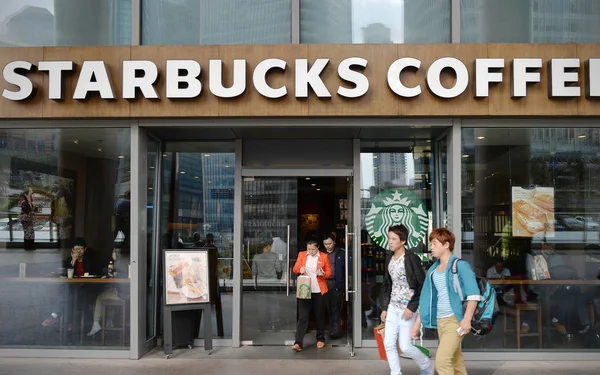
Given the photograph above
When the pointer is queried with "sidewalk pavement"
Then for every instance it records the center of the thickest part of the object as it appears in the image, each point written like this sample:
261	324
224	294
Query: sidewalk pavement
268	361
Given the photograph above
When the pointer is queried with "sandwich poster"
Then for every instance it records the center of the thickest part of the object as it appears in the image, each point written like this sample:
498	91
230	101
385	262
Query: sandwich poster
532	211
186	277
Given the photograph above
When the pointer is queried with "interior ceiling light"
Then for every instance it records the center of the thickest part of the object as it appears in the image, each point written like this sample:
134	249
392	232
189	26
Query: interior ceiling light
308	178
318	189
99	145
481	137
164	154
582	136
121	157
465	156
313	184
207	155
182	172
196	177
76	141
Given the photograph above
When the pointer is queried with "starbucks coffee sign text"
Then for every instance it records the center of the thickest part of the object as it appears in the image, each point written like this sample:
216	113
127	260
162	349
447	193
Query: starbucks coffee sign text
183	78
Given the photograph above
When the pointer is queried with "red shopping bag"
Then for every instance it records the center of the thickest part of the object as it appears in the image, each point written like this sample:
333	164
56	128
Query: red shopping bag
379	332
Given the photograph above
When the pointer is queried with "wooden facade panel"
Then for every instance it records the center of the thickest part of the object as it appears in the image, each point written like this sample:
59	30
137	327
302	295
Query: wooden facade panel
94	106
204	105
588	107
24	109
464	104
378	101
251	102
536	103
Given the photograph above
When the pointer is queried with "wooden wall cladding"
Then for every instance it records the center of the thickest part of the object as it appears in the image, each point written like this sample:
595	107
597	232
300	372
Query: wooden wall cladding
25	109
588	107
378	101
94	106
536	102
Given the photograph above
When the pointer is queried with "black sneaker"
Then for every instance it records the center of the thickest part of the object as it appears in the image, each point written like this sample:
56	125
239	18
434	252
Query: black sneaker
585	329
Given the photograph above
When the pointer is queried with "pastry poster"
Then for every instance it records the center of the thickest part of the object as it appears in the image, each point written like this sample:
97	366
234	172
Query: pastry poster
532	211
186	277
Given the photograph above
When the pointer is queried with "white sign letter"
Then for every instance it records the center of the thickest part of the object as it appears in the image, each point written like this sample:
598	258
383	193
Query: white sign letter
520	75
483	76
563	78
306	77
260	78
139	74
361	82
93	78
434	82
215	82
393	77
184	86
592	70
55	71
14	74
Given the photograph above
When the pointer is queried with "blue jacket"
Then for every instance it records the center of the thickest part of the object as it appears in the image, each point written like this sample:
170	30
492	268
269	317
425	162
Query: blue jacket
429	295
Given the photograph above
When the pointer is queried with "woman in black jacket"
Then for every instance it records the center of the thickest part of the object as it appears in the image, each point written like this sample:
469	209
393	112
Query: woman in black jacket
399	300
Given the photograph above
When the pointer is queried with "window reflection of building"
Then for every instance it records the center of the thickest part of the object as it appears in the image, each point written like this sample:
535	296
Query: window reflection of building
30	26
377	33
427	21
216	22
326	21
530	21
68	23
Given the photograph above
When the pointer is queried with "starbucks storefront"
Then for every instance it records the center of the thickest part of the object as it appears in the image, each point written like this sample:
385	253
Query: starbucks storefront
337	141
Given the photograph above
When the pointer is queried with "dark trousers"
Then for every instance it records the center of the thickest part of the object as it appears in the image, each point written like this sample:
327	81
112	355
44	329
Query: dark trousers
333	306
316	303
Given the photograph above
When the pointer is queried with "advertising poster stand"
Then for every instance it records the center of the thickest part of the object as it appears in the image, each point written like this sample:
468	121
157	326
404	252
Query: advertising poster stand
189	289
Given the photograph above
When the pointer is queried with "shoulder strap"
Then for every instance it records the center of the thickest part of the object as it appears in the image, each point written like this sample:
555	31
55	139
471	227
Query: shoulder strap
455	280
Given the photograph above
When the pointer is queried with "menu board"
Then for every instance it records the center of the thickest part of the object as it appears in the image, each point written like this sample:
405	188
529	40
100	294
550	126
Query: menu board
532	211
186	277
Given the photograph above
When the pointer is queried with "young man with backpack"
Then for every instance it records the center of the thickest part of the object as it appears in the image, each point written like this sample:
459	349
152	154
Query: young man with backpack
441	305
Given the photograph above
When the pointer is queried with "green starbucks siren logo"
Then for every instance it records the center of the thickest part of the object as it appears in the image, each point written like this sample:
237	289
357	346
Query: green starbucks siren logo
393	207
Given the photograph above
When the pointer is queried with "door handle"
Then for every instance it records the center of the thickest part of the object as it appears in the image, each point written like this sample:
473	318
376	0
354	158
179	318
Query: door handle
347	266
287	272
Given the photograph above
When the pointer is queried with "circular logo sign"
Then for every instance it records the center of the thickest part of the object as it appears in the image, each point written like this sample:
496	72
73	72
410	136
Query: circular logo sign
393	207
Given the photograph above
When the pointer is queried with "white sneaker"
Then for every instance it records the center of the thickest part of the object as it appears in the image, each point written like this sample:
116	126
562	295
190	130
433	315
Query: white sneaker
430	370
95	329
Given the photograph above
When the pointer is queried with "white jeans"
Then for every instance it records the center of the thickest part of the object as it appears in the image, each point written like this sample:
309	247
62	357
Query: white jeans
398	330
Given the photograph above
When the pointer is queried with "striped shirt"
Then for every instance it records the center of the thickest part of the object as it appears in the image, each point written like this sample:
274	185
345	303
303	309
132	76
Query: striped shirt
444	309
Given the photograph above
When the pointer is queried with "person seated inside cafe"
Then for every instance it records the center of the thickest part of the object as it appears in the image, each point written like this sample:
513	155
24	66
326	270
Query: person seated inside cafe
81	262
111	293
562	298
497	271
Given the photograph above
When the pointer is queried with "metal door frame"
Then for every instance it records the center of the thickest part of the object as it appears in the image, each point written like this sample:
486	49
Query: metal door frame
241	173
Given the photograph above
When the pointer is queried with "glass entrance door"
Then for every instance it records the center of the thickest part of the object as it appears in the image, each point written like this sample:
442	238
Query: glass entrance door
280	214
270	240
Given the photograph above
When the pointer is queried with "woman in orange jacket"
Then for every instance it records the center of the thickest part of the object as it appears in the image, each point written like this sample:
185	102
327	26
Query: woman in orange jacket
314	264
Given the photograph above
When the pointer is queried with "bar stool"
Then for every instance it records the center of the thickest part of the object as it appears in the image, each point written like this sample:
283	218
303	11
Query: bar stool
119	304
519	308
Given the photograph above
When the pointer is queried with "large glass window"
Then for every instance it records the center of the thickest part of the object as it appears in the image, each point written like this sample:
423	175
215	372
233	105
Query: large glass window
197	201
167	22
531	219
530	21
26	23
396	189
374	21
64	237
